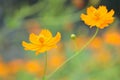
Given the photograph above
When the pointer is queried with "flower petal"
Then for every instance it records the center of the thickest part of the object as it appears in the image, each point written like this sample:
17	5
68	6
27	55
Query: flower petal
87	19
55	39
29	46
41	50
91	10
34	38
110	13
102	10
46	33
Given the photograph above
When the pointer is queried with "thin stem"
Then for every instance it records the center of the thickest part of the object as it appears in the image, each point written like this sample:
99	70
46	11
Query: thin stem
45	69
78	52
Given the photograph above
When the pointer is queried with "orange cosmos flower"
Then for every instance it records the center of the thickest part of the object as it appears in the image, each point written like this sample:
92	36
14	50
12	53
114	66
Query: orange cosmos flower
42	42
98	17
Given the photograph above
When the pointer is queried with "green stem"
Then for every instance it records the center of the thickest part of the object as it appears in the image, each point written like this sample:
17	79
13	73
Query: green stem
45	69
79	51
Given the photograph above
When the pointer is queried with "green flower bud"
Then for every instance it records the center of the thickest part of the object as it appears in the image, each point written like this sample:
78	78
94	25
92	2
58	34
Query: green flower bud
73	36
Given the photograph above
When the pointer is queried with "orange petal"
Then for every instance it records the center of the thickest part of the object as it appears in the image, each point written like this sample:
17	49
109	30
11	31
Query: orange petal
102	10
41	50
87	19
29	46
55	39
46	33
34	38
84	18
91	10
110	13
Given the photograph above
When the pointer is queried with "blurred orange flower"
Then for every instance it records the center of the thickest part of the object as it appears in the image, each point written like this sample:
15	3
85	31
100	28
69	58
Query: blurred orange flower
4	70
98	17
112	38
56	60
103	56
34	67
15	66
96	43
42	42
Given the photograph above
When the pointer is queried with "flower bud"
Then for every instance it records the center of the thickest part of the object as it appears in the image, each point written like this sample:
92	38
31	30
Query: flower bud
73	36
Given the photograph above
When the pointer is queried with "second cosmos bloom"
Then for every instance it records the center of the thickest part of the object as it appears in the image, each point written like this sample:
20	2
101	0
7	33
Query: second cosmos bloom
99	17
42	42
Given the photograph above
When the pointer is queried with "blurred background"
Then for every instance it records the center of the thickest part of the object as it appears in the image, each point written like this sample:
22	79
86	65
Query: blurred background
18	18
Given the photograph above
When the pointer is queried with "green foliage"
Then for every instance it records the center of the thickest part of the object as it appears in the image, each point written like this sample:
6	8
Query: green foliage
50	13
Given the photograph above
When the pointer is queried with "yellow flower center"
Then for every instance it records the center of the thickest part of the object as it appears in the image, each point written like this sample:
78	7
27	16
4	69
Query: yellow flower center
97	16
41	39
